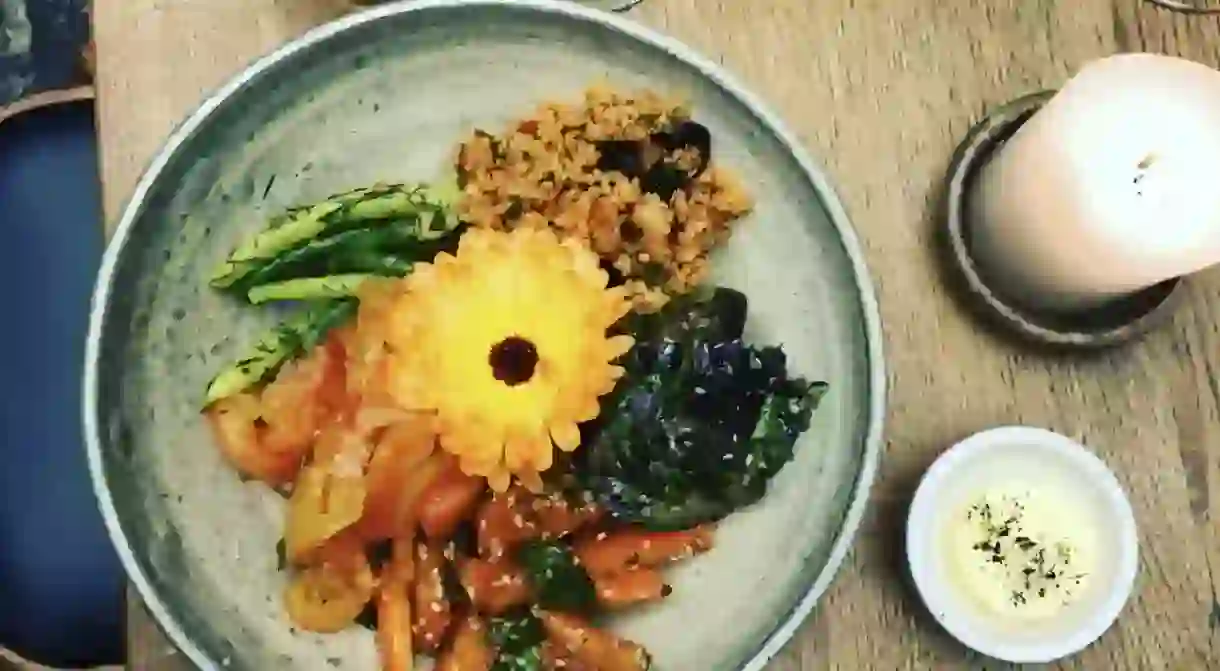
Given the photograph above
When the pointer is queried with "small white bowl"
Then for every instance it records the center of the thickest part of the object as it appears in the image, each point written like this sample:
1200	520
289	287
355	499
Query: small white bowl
1010	455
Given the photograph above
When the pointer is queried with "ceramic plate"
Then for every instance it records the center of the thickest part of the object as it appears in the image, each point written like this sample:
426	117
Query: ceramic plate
385	94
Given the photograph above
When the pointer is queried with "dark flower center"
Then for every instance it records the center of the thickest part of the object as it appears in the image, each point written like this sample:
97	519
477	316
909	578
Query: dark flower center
513	360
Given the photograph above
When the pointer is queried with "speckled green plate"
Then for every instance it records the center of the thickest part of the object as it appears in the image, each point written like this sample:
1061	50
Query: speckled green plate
385	94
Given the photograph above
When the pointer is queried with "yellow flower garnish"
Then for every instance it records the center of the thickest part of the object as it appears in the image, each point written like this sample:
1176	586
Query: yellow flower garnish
507	343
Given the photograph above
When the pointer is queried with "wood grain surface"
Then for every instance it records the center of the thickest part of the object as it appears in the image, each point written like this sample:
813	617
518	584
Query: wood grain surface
881	91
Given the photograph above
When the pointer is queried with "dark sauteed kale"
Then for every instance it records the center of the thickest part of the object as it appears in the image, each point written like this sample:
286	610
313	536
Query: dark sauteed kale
517	639
558	580
700	423
651	160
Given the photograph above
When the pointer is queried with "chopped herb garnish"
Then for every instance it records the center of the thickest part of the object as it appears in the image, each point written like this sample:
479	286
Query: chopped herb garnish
1003	541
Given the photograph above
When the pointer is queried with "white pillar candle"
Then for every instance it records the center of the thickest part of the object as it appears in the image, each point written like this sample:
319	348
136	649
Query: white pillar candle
1111	187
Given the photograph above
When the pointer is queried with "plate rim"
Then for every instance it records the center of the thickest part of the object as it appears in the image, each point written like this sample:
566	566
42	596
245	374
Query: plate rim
185	130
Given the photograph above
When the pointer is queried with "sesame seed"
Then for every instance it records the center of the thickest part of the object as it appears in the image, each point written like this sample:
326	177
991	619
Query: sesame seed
483	524
429	637
647	544
601	535
436	607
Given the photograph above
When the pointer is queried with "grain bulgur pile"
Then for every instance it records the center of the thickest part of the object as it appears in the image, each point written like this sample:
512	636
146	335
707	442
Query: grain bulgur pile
628	174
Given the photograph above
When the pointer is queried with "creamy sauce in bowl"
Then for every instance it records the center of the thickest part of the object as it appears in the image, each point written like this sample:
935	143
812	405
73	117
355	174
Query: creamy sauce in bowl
1020	552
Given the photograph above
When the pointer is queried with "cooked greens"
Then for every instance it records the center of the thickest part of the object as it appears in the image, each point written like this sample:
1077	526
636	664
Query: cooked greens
389	248
309	288
366	208
517	640
287	341
700	423
558	581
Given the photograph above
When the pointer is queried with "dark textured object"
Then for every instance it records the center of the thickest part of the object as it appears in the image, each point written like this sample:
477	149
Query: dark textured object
700	423
55	56
1113	324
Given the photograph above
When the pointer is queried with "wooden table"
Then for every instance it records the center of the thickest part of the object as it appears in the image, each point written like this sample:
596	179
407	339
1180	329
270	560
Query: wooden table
881	91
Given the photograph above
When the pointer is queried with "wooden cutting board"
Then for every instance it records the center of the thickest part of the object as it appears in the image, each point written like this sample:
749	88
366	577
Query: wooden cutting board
881	92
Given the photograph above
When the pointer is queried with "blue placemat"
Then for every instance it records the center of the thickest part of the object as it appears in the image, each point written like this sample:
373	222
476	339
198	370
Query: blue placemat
61	585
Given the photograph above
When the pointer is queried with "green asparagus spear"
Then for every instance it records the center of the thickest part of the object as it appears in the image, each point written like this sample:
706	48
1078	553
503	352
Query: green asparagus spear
309	288
289	340
339	213
388	248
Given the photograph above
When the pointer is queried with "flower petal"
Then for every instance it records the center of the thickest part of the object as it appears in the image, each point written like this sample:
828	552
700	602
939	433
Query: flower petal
566	436
618	346
499	480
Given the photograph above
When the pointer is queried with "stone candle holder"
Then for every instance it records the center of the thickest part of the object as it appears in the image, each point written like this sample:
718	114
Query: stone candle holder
1111	324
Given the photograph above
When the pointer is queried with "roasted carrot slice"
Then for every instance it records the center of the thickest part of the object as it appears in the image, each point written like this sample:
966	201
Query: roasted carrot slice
494	585
593	647
450	499
634	586
401	567
505	521
328	498
615	552
394	642
433	612
470	650
556	658
394	629
235	422
328	595
558	517
292	405
403	466
334	404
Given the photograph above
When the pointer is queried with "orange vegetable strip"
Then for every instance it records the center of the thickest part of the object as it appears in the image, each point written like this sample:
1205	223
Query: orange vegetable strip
394	642
449	499
433	612
494	585
594	647
609	553
635	586
470	650
403	466
505	521
557	517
